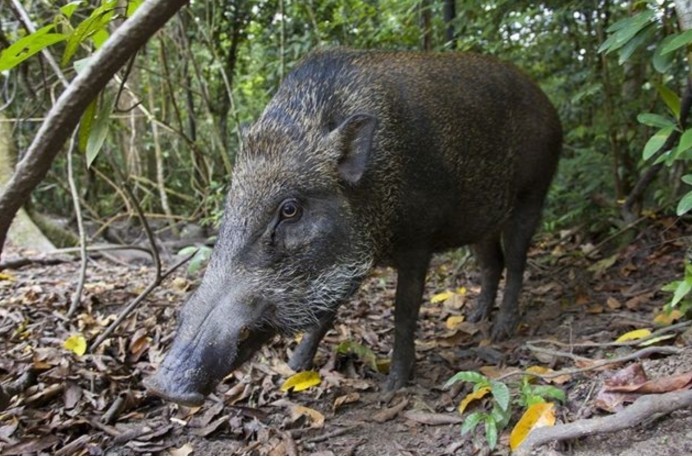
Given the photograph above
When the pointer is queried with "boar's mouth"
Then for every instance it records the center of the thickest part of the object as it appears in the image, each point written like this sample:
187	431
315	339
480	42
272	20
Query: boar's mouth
193	367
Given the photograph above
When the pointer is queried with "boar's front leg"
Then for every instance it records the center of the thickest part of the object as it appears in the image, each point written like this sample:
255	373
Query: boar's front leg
305	352
411	270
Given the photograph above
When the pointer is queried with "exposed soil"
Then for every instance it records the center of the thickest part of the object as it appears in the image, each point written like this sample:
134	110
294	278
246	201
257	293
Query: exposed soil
95	403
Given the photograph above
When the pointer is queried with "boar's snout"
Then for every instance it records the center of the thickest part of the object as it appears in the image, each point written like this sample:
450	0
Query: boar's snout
184	378
211	342
168	385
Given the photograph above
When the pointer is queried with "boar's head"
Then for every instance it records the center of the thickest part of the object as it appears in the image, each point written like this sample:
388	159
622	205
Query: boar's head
292	246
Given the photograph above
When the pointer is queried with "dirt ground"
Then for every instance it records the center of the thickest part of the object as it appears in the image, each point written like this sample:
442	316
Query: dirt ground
60	403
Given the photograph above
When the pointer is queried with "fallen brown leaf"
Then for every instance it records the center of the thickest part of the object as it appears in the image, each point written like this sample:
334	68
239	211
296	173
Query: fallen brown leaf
346	399
391	412
657	386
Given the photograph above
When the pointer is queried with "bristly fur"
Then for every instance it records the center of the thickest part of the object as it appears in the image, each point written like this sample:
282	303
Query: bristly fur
463	152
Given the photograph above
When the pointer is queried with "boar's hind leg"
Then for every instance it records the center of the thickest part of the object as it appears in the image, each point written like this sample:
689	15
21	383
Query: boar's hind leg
516	238
305	352
489	256
411	270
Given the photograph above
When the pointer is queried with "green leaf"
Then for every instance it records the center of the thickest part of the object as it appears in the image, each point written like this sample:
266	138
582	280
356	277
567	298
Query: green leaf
683	289
132	6
685	141
202	255
363	352
655	120
685	204
628	21
624	30
28	46
471	421
500	416
670	98
548	392
500	392
663	62
85	124
98	20
100	37
467	376
491	432
632	45
687	179
69	9
678	41
99	128
656	142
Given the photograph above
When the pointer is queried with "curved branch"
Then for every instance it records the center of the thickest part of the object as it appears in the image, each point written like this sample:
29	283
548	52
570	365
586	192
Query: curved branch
643	408
64	115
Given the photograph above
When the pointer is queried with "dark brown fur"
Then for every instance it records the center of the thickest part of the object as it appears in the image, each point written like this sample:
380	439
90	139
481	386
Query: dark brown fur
394	156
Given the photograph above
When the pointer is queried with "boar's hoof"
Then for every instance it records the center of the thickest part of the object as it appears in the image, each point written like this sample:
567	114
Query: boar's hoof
504	326
479	313
303	356
395	382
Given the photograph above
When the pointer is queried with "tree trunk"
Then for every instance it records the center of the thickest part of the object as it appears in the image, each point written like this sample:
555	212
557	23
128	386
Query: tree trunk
450	12
23	232
426	26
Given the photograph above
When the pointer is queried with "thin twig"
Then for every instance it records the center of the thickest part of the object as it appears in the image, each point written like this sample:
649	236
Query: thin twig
136	301
77	296
595	250
654	334
642	409
626	358
332	434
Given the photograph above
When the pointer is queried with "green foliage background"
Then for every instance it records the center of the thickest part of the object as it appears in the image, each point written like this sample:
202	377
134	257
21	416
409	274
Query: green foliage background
216	65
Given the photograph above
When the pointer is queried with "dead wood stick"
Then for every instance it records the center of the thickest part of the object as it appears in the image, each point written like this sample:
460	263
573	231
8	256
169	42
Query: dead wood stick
332	434
74	446
390	413
625	358
655	334
46	258
643	408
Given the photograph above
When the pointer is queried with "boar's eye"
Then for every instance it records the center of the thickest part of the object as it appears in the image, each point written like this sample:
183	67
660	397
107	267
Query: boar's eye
290	210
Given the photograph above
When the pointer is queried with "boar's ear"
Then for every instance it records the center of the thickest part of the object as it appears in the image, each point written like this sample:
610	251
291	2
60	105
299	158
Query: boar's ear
354	140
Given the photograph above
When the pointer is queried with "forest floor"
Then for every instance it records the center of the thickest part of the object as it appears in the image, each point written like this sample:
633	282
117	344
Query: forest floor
95	404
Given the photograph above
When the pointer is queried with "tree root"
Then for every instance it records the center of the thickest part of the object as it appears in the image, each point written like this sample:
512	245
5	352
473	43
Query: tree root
643	408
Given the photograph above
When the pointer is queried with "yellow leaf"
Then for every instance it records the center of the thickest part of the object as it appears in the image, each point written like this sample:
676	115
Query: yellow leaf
316	417
383	365
7	277
657	339
537	415
541	371
442	296
664	318
634	335
454	321
301	381
461	290
76	343
477	395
